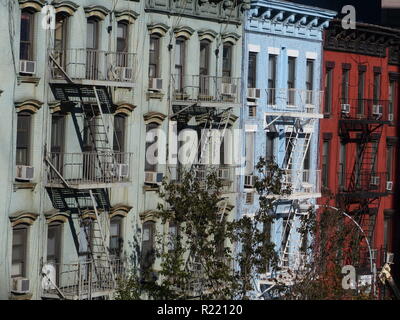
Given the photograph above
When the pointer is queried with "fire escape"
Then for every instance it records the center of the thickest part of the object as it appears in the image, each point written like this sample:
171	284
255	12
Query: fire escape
79	182
205	104
360	191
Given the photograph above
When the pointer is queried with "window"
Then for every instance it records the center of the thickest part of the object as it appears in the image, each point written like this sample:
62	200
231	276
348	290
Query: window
345	85
342	164
377	86
272	62
179	64
252	111
60	40
151	138
309	81
204	65
92	44
119	134
122	37
392	97
325	163
227	61
270	146
148	252
306	164
26	36
85	232
252	71
249	153
389	162
57	132
54	234
173	234
122	44
289	141
154	52
291	82
361	90
23	138
388	233
328	90
116	239
19	251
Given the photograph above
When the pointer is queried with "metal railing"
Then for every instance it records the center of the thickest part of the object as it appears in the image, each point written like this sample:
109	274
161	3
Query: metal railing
226	173
206	88
294	100
365	109
363	181
303	181
89	167
84	279
90	64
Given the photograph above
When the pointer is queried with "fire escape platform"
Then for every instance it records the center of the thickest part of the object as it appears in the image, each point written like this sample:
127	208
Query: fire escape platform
294	114
208	104
296	196
97	83
90	185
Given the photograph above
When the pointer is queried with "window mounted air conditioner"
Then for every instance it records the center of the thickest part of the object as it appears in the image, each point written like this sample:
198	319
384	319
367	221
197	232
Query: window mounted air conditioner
24	173
253	93
391	117
153	177
223	174
249	181
345	108
20	285
156	84
377	110
375	180
389	257
28	67
389	185
228	89
122	170
125	74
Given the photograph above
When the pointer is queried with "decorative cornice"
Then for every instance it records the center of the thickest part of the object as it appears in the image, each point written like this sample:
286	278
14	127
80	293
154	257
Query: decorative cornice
155	117
119	211
35	5
124	108
31	106
148	215
207	34
183	31
98	12
128	16
23	217
66	7
230	37
56	216
157	28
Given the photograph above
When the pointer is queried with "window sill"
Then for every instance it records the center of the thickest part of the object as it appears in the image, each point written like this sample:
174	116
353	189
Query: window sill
155	95
25	296
24	185
151	187
28	79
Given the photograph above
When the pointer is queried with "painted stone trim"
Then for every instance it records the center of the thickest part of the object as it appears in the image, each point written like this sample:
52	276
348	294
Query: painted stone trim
98	12
23	217
158	28
28	105
35	5
128	16
66	7
155	117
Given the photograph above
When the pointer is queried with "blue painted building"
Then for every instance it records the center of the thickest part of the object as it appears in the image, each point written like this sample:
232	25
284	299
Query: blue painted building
282	107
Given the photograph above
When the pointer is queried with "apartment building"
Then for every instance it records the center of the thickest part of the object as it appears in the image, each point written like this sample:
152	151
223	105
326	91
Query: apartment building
83	102
359	134
282	108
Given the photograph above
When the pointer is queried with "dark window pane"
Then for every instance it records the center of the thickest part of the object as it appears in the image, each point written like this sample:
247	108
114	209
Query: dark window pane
23	139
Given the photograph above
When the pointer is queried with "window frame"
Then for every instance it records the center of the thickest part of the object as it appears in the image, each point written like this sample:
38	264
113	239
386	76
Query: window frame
19	145
31	33
328	90
148	254
252	70
119	133
148	166
24	261
117	220
291	80
361	91
227	61
180	43
155	63
345	85
325	163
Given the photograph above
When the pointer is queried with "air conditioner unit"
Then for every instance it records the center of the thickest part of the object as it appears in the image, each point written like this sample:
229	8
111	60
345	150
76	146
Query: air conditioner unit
228	89
249	181
345	108
377	110
253	93
389	185
28	67
20	285
125	74
155	84
223	174
391	117
24	173
153	177
375	180
389	257
122	170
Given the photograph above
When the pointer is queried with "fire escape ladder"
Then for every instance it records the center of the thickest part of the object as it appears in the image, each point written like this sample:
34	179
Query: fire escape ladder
287	232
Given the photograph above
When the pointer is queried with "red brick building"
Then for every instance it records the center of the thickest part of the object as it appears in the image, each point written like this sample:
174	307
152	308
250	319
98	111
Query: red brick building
359	132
